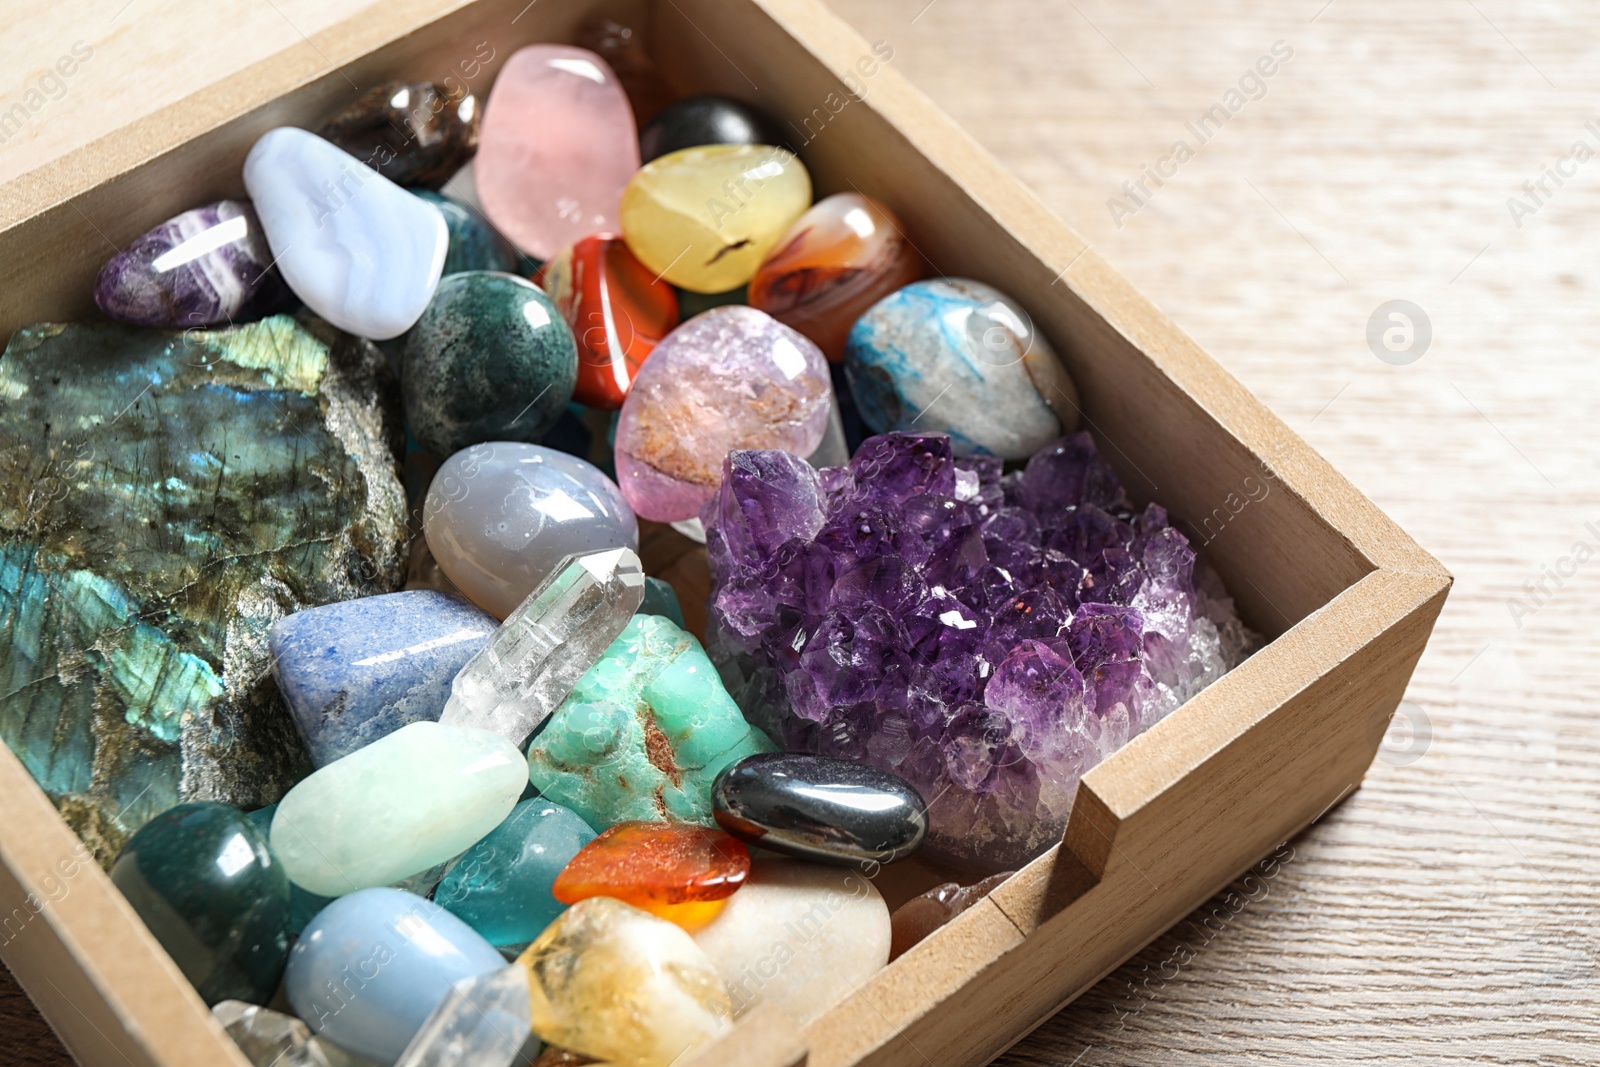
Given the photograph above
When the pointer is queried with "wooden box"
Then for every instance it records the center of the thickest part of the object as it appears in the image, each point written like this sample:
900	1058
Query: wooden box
1346	599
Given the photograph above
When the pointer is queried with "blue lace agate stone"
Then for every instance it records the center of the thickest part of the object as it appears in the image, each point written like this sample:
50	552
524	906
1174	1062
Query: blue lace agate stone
359	670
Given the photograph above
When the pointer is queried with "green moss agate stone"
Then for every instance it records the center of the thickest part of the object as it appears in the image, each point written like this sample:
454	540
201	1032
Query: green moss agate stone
644	733
203	880
164	498
501	886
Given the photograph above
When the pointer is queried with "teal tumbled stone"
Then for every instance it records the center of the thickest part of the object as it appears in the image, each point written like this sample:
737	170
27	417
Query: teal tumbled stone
644	733
204	881
474	242
661	599
491	359
501	886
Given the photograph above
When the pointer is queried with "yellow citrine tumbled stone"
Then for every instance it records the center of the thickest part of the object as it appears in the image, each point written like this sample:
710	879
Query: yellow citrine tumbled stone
618	984
704	218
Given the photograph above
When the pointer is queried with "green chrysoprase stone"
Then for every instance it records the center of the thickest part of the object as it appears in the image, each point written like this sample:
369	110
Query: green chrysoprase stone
203	880
644	733
164	498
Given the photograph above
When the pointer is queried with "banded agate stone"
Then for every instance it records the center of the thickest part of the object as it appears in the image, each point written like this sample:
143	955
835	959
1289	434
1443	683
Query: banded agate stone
644	733
559	144
408	801
842	256
359	250
703	218
959	357
618	310
731	378
204	881
202	267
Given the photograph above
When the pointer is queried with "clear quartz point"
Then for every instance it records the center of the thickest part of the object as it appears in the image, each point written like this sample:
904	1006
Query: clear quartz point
538	654
484	1021
272	1039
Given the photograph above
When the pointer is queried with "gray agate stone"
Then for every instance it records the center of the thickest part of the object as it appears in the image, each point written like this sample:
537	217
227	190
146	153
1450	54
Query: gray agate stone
820	808
200	268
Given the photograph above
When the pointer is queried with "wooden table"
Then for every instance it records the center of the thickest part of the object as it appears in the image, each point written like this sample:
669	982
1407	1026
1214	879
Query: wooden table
1445	914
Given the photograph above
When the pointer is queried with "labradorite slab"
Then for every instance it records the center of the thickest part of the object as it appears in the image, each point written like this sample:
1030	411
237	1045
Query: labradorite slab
164	499
203	880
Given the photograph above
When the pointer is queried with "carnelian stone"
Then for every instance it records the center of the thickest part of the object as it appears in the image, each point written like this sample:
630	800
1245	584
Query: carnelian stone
618	310
649	864
842	256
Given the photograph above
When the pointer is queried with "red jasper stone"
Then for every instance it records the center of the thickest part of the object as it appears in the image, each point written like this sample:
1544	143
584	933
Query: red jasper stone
652	863
618	310
842	256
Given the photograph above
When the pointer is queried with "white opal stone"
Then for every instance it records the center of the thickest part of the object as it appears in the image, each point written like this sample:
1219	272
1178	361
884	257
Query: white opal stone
402	804
502	516
359	250
799	935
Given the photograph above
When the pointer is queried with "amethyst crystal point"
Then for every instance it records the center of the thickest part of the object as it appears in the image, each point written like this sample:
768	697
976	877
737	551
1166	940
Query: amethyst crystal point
987	636
203	267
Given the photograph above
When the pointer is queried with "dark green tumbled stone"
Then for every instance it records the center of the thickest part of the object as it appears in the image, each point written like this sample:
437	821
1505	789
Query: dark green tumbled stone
490	360
164	498
474	242
303	904
204	881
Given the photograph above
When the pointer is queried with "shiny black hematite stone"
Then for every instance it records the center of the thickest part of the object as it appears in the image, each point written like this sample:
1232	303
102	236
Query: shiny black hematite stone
703	120
204	881
820	808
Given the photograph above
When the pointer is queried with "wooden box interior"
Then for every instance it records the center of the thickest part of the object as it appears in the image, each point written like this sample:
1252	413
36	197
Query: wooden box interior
1345	599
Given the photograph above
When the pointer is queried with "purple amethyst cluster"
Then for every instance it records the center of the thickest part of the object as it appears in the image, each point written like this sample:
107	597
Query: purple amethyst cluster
988	636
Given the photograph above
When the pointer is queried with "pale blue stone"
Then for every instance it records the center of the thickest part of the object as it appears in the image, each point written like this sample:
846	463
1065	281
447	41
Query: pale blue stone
501	886
371	967
359	670
959	357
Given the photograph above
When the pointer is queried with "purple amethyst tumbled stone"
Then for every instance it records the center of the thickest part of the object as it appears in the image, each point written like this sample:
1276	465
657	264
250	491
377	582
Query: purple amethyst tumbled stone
988	636
206	266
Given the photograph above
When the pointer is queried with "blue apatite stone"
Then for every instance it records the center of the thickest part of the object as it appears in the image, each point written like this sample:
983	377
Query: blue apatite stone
371	967
172	495
501	886
303	906
958	357
359	670
661	599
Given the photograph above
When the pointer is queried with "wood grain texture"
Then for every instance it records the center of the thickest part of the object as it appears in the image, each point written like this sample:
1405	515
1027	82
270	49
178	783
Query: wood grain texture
1445	913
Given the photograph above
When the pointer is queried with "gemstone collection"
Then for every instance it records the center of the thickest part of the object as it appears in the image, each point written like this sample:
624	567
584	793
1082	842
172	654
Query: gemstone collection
502	800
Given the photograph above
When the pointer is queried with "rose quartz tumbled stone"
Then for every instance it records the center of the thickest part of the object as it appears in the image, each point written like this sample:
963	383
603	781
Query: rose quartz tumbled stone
730	378
558	144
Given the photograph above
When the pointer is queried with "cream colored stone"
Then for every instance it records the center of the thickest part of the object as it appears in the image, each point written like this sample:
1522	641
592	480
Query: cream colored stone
801	935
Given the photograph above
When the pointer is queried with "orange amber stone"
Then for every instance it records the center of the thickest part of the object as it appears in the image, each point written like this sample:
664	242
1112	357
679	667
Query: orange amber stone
842	256
618	311
650	864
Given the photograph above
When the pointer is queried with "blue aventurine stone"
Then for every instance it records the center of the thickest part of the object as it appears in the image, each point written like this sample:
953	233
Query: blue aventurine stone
501	886
358	670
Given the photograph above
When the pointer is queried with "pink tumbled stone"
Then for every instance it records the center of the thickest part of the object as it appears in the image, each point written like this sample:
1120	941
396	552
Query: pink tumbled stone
730	378
558	145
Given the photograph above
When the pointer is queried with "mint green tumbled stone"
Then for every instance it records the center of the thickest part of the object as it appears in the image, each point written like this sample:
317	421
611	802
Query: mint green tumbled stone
644	732
402	804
